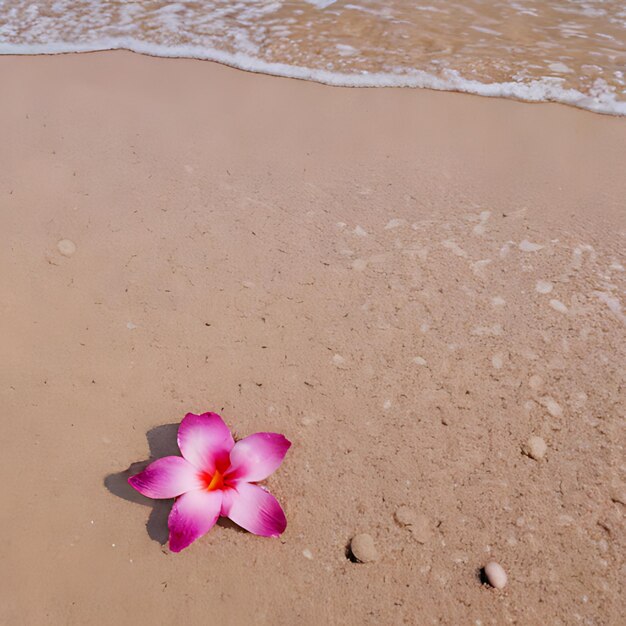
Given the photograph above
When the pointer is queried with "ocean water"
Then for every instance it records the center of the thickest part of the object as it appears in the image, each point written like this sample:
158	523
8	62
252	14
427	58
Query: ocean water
569	51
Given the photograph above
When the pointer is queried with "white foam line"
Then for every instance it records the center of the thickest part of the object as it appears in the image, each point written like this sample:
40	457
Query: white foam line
535	91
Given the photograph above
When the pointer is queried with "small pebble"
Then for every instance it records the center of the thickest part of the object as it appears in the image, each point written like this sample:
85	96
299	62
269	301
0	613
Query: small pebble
421	529
554	408
496	576
497	360
528	246
360	232
363	548
543	286
535	448
307	554
618	494
418	360
338	359
535	381
557	305
66	247
405	516
394	223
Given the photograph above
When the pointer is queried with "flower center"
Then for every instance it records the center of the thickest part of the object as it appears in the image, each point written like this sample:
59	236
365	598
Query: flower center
216	481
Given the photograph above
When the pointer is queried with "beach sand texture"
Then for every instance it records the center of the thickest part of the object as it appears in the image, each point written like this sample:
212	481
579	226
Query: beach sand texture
409	284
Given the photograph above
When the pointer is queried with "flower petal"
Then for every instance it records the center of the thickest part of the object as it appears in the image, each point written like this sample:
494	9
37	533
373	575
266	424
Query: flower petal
254	509
255	457
193	515
166	478
205	441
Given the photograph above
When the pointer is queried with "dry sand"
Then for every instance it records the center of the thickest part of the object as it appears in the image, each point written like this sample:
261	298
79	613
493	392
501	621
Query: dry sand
357	269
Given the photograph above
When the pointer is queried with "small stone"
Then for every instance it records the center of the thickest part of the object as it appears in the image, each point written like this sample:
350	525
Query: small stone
418	360
338	359
360	232
497	360
557	305
405	516
528	246
363	548
495	574
535	382
308	420
421	529
394	223
535	448
543	286
554	408
618	494
66	247
307	554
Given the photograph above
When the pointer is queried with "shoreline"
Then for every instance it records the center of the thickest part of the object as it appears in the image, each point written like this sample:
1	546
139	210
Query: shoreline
538	91
409	284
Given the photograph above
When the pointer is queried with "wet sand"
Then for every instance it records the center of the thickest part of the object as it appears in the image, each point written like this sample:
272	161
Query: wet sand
408	284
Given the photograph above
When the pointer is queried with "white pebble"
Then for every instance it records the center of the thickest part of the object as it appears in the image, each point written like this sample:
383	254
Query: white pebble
535	448
544	286
497	360
557	305
130	325
418	360
338	359
554	408
496	575
307	554
360	232
498	301
394	223
528	246
66	247
386	405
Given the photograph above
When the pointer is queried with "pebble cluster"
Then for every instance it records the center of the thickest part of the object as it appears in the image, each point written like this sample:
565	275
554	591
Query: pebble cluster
362	548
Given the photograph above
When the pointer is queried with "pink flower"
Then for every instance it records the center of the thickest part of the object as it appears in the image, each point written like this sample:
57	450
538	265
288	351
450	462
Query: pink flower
216	476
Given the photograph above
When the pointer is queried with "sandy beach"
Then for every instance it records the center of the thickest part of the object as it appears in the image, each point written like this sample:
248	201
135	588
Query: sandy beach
410	285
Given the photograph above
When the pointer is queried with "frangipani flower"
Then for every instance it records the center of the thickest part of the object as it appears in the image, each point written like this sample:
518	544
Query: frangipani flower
215	477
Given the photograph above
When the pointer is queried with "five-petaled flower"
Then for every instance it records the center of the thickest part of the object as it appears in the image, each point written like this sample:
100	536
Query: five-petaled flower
215	477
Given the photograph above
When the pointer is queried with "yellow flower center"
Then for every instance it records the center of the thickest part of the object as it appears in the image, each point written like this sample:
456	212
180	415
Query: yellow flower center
216	482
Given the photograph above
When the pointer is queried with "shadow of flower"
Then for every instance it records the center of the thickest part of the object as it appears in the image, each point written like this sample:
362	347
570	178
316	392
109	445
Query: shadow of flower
161	442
